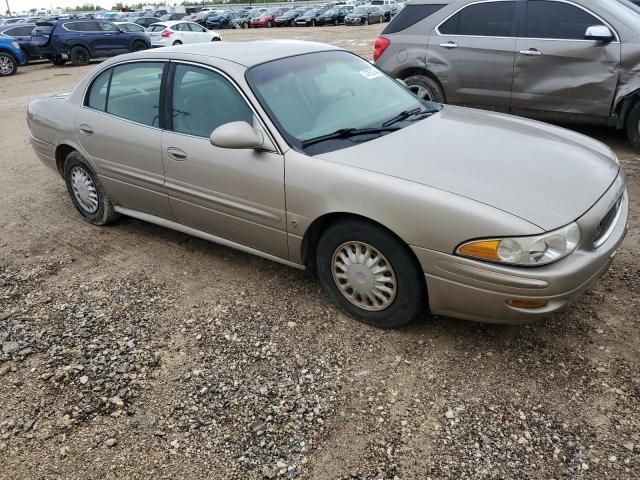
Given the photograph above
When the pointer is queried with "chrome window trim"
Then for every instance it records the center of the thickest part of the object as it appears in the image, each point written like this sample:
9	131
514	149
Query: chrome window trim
64	25
617	37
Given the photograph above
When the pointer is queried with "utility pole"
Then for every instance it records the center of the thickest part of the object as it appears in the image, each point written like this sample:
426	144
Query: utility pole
8	8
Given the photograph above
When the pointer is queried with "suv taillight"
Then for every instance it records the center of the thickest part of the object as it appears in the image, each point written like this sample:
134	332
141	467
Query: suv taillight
379	47
166	33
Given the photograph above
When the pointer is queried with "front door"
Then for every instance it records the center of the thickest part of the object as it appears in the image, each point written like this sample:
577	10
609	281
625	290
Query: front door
115	41
119	128
237	195
556	69
472	55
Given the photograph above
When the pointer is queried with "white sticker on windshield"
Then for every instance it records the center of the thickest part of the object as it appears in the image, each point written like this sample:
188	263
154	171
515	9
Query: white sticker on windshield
371	73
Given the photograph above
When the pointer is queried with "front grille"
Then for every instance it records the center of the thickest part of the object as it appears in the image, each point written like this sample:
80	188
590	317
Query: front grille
608	223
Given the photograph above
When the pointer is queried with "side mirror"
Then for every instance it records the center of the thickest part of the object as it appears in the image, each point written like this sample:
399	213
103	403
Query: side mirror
237	135
599	33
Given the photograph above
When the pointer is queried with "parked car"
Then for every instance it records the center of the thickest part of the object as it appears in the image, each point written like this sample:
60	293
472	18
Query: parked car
333	16
364	15
267	19
287	19
130	27
165	34
171	16
309	18
11	56
489	230
563	62
388	12
12	20
21	32
224	20
81	40
146	21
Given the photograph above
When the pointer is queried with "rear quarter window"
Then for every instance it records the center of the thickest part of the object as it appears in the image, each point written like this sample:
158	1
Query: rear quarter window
410	15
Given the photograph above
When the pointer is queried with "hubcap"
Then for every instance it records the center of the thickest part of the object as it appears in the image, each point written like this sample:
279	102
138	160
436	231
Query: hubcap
421	92
364	276
84	190
6	66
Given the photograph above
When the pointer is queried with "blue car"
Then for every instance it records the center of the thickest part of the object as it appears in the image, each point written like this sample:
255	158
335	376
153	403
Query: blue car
22	34
82	40
10	56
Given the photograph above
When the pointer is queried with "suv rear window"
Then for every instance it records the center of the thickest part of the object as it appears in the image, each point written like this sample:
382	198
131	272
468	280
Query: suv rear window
490	19
410	15
82	26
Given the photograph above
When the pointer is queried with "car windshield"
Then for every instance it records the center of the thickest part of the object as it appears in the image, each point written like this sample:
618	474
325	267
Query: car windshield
313	95
310	13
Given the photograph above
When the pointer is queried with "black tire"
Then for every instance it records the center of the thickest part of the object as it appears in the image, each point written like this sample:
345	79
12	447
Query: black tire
79	56
8	64
269	24
58	61
633	126
336	22
138	46
313	23
177	42
365	22
104	214
426	88
215	39
411	291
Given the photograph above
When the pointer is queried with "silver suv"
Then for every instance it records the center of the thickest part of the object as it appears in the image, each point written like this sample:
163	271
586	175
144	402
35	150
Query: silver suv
555	60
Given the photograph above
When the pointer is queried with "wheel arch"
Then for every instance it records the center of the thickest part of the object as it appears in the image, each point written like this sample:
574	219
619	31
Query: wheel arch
8	52
624	106
61	153
315	230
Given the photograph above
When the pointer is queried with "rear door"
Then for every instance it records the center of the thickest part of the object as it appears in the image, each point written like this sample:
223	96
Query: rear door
472	53
556	69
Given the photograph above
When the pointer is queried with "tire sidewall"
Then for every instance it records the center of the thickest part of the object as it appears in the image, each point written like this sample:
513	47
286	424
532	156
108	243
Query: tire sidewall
437	95
633	127
410	298
74	59
104	214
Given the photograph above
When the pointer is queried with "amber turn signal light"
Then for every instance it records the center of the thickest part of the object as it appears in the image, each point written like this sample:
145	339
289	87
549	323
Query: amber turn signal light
487	250
512	302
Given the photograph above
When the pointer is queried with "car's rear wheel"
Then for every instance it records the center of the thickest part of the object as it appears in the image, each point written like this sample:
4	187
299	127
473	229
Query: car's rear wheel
58	61
86	191
79	56
633	126
8	65
365	22
313	23
177	42
426	88
139	46
269	24
370	274
215	39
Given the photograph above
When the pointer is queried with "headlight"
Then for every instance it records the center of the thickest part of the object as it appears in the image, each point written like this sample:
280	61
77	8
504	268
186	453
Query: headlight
525	251
15	44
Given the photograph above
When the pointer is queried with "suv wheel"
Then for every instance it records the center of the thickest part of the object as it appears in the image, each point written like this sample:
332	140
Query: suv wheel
370	274
138	46
58	61
8	64
86	192
426	88
633	126
79	56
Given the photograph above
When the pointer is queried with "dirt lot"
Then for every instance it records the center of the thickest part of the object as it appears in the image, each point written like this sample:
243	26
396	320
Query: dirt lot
137	352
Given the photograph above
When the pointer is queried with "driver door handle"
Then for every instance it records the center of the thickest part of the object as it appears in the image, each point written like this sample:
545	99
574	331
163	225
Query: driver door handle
449	45
532	52
176	154
86	129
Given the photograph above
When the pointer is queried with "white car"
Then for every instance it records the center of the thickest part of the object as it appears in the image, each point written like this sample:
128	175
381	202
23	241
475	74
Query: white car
165	34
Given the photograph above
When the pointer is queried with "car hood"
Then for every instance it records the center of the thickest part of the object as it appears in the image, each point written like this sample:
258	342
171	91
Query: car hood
546	175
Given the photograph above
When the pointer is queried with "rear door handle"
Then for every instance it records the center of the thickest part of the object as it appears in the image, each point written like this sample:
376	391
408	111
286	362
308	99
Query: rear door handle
449	45
176	154
532	52
86	129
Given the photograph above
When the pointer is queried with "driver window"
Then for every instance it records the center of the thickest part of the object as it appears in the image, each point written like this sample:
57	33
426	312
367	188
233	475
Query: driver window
204	100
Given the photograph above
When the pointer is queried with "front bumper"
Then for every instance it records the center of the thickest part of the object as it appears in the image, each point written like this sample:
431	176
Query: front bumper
473	290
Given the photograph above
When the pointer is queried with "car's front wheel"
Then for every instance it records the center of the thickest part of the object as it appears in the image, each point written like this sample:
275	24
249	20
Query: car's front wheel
633	127
426	88
215	39
86	191
8	65
370	274
139	46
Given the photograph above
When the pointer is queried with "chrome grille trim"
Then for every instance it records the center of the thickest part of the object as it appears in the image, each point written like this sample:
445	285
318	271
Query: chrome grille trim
608	223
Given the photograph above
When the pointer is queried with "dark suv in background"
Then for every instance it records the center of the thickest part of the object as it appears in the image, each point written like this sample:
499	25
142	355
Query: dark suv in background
81	40
554	60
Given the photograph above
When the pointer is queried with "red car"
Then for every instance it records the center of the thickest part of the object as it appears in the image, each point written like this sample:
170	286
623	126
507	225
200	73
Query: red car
268	18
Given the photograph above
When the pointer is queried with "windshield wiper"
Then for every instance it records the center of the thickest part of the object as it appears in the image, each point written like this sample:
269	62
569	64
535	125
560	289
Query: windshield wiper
408	114
348	132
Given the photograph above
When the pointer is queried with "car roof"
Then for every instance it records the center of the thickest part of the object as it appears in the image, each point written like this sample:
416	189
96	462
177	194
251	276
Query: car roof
247	54
427	2
171	23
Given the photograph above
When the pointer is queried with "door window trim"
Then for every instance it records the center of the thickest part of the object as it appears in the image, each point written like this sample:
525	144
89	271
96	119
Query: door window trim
581	7
169	99
515	20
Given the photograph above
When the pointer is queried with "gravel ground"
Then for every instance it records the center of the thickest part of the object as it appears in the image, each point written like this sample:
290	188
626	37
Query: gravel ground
137	352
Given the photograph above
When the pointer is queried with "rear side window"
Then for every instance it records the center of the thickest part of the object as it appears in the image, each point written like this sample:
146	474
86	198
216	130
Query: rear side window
491	19
82	26
108	27
548	19
98	94
156	28
410	15
134	92
19	31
